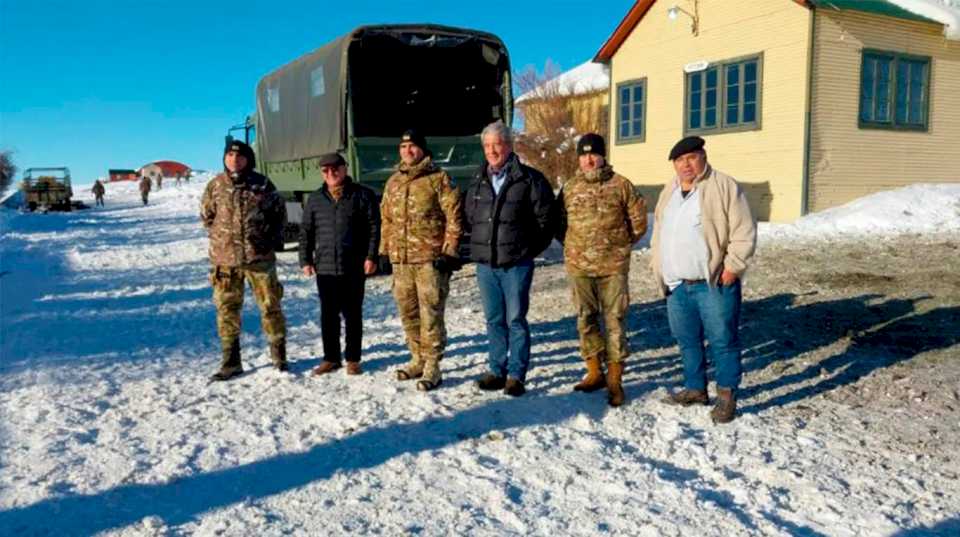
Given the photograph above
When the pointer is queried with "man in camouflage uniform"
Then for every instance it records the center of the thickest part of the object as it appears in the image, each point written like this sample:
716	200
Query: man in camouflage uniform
601	217
244	216
98	192
420	231
144	188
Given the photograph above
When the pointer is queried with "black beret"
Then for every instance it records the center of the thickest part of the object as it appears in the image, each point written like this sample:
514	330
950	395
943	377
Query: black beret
687	145
332	159
413	136
591	143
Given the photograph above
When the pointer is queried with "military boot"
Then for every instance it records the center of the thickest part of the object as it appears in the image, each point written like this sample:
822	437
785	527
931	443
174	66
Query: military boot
593	380
278	354
615	395
431	378
726	407
413	370
230	365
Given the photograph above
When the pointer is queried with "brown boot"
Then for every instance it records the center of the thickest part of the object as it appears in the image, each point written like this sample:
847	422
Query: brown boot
278	354
687	397
324	368
593	380
615	395
353	368
726	407
230	365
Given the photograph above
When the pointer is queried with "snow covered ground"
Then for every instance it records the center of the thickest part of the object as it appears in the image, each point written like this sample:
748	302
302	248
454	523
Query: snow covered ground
107	424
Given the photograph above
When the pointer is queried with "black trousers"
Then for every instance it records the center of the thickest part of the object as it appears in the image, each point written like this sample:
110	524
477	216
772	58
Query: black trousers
341	296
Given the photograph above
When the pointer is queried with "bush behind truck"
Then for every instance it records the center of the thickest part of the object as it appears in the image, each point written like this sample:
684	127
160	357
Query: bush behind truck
357	94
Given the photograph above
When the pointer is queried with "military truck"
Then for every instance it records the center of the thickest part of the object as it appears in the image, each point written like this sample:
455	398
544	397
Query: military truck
47	189
358	93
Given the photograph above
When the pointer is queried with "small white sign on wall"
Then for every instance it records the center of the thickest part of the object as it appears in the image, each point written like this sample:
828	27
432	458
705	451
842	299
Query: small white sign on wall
693	67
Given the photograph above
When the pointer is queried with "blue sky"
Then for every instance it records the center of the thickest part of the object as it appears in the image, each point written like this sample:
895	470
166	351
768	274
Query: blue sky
99	84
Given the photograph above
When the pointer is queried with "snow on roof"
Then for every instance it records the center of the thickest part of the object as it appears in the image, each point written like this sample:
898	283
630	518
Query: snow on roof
946	12
584	78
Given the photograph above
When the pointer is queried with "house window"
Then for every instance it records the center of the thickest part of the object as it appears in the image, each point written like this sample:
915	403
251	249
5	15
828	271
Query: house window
894	91
631	111
724	97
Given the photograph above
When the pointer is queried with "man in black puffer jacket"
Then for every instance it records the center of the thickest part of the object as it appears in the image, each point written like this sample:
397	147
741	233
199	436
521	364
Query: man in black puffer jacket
508	213
339	238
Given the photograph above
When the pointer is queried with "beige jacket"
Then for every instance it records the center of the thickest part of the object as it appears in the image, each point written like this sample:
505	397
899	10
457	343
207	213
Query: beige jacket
728	226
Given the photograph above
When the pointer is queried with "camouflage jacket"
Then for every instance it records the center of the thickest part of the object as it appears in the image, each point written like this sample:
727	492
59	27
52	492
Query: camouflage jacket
145	185
601	216
420	214
244	217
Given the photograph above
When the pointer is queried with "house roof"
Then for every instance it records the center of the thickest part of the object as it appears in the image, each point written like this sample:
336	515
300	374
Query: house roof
587	77
946	12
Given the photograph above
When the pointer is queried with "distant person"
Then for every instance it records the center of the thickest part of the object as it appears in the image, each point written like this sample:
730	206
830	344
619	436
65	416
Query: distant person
186	176
144	188
244	217
179	178
339	239
601	217
421	223
508	214
703	236
98	192
159	181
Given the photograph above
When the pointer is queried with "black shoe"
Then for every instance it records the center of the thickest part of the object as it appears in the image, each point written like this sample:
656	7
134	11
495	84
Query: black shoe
226	374
491	382
514	388
282	367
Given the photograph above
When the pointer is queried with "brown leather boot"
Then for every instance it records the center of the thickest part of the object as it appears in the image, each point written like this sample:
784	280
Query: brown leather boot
324	368
726	407
278	354
615	395
593	380
353	368
687	397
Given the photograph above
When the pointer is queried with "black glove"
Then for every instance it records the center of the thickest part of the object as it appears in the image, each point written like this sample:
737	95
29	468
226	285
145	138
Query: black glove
447	264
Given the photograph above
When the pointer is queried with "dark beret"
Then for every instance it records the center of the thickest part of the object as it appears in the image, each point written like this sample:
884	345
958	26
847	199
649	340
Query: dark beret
332	159
687	145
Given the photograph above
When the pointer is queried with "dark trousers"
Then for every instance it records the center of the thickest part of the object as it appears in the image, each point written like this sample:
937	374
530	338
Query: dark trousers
341	295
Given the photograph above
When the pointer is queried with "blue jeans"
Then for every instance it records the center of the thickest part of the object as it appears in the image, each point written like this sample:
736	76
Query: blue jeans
698	310
506	298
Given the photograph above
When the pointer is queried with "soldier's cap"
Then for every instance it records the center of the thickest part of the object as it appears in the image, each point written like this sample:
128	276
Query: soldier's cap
592	143
687	145
413	136
332	159
244	150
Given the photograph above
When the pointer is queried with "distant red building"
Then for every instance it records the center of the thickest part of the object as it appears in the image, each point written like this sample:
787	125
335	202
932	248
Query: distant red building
169	168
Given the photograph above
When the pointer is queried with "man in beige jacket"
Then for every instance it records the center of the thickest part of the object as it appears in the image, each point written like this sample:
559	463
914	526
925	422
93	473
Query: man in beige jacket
703	235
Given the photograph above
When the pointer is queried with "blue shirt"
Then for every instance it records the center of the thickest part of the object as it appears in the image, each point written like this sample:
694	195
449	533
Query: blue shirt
498	178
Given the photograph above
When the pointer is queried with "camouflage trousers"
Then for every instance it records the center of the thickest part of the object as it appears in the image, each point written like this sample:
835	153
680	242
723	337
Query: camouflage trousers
421	294
608	296
228	287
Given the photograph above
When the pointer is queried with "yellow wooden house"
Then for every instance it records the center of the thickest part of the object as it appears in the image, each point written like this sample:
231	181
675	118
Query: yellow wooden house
808	103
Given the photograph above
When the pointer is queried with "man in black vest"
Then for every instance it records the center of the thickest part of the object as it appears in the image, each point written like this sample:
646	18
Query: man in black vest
339	238
508	212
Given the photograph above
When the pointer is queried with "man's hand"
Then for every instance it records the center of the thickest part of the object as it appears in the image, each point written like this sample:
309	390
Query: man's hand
727	278
369	267
309	271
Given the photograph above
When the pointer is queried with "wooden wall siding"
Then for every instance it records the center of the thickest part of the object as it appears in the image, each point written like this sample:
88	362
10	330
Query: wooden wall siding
848	162
768	161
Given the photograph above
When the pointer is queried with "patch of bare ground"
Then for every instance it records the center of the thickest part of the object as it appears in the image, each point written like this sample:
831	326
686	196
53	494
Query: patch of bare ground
868	324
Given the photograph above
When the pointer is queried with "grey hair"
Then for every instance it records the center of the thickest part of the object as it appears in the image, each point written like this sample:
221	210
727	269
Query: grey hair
500	129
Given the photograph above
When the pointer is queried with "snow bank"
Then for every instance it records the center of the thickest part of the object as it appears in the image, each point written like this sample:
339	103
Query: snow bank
921	208
946	12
